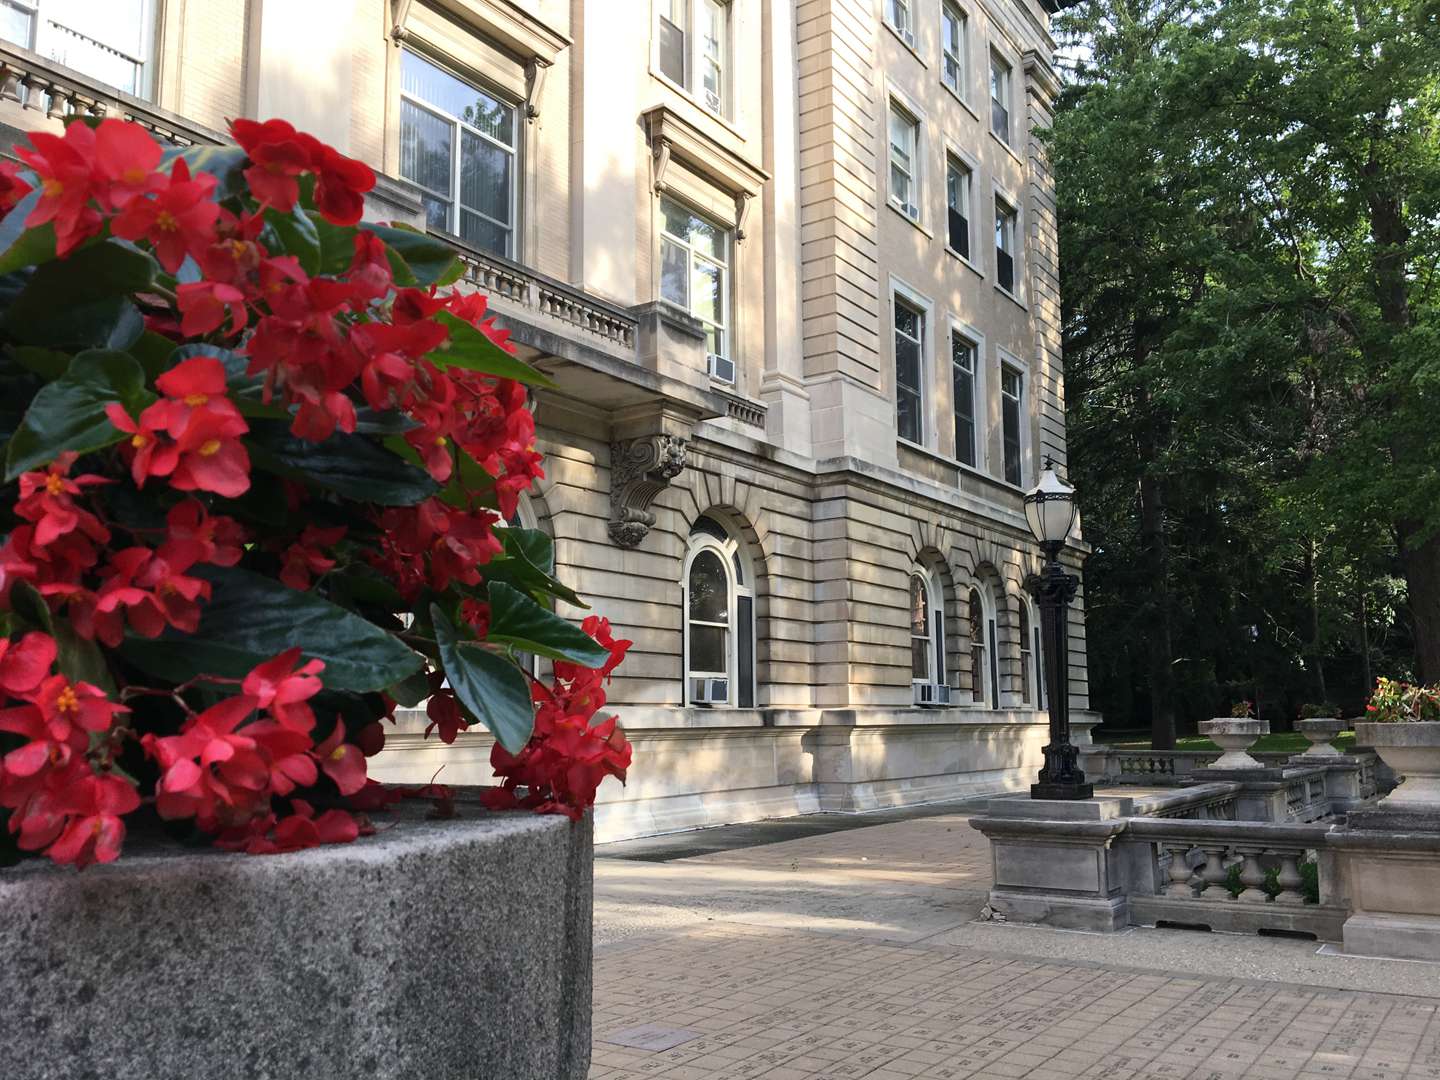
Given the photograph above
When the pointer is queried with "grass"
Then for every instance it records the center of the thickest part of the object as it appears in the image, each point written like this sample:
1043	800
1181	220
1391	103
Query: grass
1280	742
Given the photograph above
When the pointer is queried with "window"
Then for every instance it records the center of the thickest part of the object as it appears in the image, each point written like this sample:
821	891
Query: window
1036	654
1012	388
957	198
719	607
458	143
954	47
909	362
694	274
694	56
902	19
962	361
904	178
1004	246
1027	695
110	42
1000	98
977	647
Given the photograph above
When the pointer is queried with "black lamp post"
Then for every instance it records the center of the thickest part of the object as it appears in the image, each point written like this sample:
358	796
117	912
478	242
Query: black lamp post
1050	510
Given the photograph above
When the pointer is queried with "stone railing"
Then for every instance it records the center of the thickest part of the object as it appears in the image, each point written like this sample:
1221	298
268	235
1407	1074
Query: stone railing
1235	876
42	86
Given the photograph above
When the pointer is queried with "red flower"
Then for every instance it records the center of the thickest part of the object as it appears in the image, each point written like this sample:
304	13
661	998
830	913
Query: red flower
178	221
210	771
211	456
444	713
204	304
278	155
306	557
47	499
95	830
12	187
24	663
45	746
149	449
278	686
65	166
340	186
195	384
193	536
343	762
176	593
126	156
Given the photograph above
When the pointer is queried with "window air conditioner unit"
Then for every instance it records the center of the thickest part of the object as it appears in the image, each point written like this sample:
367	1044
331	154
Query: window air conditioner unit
720	368
932	694
709	691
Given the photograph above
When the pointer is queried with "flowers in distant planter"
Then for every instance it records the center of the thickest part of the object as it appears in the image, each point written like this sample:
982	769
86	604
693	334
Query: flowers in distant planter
259	465
1243	710
1397	702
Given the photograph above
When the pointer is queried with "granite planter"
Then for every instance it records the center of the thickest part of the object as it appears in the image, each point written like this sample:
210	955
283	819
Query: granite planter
1234	736
1321	732
1413	751
456	949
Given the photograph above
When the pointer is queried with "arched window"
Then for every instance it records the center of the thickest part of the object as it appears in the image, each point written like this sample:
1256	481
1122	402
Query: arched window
718	596
984	676
927	632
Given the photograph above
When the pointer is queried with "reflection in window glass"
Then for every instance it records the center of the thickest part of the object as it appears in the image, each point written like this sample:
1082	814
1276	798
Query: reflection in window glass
694	270
909	334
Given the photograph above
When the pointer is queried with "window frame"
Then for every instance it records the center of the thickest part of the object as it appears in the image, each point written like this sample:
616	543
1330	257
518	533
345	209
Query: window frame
1033	650
693	54
981	691
459	127
955	165
954	13
726	329
900	296
975	344
1011	365
900	17
1010	213
914	174
1002	95
739	577
934	636
41	34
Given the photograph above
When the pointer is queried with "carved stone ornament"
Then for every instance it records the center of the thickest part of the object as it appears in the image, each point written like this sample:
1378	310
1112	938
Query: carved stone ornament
639	470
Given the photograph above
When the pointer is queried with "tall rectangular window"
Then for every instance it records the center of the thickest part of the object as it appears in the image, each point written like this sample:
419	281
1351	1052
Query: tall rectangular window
904	178
695	273
957	198
111	42
1004	246
1012	393
692	48
909	363
458	143
962	366
954	48
1000	98
902	19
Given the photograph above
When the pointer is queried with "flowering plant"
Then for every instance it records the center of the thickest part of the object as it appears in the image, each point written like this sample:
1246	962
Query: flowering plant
1396	702
1242	710
259	461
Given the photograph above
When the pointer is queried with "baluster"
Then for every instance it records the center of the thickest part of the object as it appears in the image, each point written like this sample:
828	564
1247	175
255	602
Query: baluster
1213	873
59	99
1289	879
1182	877
1252	876
9	83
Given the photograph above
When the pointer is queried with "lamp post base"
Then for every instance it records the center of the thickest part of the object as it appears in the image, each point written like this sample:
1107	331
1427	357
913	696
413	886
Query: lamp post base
1062	791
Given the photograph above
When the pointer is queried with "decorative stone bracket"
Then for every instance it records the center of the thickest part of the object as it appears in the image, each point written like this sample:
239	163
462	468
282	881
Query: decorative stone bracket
639	470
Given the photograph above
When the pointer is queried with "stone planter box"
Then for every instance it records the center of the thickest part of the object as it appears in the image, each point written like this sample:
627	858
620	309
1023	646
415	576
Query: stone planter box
457	949
1413	751
1234	736
1321	732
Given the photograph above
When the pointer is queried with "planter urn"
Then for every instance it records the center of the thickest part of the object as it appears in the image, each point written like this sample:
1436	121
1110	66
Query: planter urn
1413	751
1234	736
457	948
1321	732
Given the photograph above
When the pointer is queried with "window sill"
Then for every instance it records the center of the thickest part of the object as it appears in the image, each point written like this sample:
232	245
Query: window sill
961	258
1012	297
1007	147
933	455
909	220
909	45
719	118
960	98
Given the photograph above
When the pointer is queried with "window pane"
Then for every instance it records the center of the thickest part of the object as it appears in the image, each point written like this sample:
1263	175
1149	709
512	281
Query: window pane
456	98
707	649
1010	419
674	274
707	239
709	590
907	363
920	659
745	649
715	343
919	607
100	61
1005	271
963	356
484	234
675	219
16	24
485	177
706	300
907	321
957	197
672	51
437	213
425	145
712	45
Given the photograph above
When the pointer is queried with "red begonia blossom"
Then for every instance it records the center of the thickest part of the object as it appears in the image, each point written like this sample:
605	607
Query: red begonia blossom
306	557
149	449
13	187
204	304
125	159
47	498
95	828
194	536
284	690
65	166
178	221
211	455
24	663
343	762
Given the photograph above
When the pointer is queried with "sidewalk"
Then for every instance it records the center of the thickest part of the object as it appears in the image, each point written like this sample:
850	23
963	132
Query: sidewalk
855	953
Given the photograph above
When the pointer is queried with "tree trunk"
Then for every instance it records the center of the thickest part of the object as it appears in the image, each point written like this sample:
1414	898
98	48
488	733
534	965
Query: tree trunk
1160	658
1365	644
1317	653
1421	560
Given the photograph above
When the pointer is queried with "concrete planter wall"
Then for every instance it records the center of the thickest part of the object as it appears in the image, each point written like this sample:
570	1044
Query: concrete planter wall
1321	732
456	949
1413	751
1234	735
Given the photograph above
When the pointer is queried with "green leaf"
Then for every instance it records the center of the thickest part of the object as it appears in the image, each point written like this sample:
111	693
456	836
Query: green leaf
79	660
69	413
250	618
293	234
417	258
349	465
491	688
46	362
84	299
470	349
225	163
154	353
411	691
517	620
337	244
532	545
528	565
21	247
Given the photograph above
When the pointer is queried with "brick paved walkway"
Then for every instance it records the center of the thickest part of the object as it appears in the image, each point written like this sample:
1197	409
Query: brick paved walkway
856	954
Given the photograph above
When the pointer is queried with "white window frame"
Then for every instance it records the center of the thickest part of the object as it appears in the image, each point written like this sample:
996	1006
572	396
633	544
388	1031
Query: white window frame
42	34
977	399
724	330
900	292
955	52
1008	360
694	56
1033	650
972	589
914	174
900	17
934	636
728	552
1002	93
459	126
954	163
1017	246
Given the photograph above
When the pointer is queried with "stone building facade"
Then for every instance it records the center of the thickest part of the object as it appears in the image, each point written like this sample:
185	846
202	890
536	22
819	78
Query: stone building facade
793	266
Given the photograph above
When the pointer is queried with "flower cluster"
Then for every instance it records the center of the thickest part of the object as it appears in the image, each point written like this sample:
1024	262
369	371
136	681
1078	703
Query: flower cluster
1397	702
227	525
